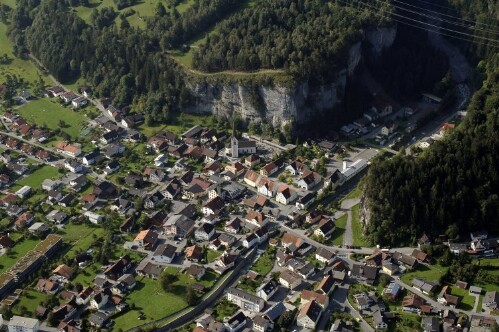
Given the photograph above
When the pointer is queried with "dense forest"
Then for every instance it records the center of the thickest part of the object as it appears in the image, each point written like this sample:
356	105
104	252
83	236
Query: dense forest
452	188
309	38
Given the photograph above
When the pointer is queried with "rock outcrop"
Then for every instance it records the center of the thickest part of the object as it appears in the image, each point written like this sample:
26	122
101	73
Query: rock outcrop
282	105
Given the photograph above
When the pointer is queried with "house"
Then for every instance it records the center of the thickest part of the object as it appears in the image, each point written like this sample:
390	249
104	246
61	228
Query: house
291	242
172	189
90	158
154	200
196	271
269	169
204	232
304	202
421	256
68	149
179	226
474	290
491	300
24	192
111	167
100	300
379	321
389	268
408	261
267	289
47	286
326	285
325	228
113	150
267	187
93	217
132	120
225	262
367	274
68	96
388	128
308	296
251	178
194	253
423	241
479	235
118	268
245	300
149	269
236	322
430	324
6	242
424	286
109	137
233	226
79	102
446	298
24	220
256	218
324	255
290	279
309	315
64	271
38	228
99	320
213	207
262	324
250	240
104	190
146	239
73	165
22	324
458	248
412	303
285	195
392	290
309	180
251	160
49	184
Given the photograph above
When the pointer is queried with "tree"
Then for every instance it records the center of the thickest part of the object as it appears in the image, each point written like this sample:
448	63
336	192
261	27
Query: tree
384	280
287	319
166	281
191	297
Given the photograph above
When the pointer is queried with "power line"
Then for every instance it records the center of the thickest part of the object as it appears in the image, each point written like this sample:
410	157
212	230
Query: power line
447	15
461	24
423	28
378	9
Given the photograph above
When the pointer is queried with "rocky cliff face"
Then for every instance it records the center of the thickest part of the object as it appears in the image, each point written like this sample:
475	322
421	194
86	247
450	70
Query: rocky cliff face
283	105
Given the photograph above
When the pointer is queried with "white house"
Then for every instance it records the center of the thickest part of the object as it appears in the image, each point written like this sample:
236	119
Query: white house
165	253
93	217
286	195
23	324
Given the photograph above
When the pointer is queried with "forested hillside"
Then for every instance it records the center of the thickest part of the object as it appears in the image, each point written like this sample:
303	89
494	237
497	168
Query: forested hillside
452	188
311	38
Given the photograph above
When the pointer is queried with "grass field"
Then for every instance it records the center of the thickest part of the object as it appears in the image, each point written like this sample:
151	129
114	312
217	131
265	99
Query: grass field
50	112
337	236
19	250
150	299
179	125
212	255
264	264
30	300
467	301
355	193
80	236
35	179
491	266
22	68
427	272
143	9
358	239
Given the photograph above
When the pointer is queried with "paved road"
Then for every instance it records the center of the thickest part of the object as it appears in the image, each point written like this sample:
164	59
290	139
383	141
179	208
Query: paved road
348	236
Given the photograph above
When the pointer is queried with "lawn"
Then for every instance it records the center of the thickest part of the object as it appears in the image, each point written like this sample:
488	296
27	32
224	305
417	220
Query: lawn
31	299
357	232
80	236
179	125
49	112
19	250
22	68
427	272
87	275
467	301
355	193
491	266
35	179
183	280
264	264
154	302
212	255
337	236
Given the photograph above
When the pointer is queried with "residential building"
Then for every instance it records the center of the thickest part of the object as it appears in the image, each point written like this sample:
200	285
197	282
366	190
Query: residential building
309	315
267	289
165	253
290	279
23	324
245	300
